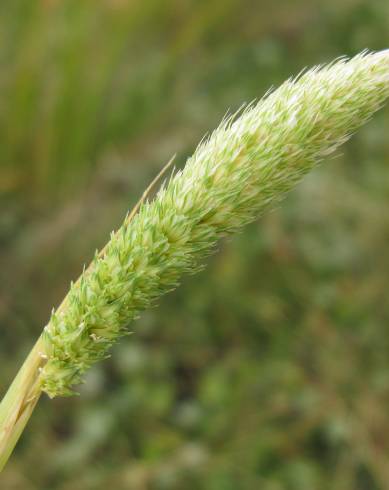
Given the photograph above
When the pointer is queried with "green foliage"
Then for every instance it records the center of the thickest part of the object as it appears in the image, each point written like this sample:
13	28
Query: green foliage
270	369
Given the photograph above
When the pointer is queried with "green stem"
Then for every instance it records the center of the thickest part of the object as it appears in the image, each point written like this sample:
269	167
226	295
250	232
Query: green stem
19	402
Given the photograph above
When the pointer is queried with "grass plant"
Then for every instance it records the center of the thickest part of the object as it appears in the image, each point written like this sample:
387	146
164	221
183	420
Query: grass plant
244	167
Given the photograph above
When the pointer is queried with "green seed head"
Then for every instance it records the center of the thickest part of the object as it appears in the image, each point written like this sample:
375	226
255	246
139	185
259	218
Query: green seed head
246	165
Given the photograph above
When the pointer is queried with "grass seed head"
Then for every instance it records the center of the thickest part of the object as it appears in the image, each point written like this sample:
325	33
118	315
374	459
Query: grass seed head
246	165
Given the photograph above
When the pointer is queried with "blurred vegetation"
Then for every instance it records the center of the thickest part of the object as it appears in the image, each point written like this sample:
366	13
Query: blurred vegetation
271	369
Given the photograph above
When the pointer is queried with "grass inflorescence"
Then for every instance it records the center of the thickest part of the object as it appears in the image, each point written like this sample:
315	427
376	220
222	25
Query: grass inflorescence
246	165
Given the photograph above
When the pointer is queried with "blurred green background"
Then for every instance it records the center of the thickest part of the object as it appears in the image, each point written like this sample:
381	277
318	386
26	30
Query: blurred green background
271	369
